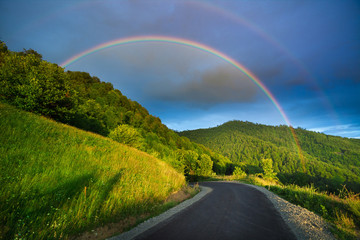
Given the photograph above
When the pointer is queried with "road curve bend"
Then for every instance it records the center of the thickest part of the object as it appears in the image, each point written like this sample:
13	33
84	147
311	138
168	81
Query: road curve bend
230	211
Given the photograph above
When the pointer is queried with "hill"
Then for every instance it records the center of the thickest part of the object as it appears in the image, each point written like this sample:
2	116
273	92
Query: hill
78	99
57	180
326	161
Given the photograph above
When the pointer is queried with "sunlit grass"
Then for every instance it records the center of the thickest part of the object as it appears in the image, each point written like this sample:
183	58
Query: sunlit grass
342	211
57	181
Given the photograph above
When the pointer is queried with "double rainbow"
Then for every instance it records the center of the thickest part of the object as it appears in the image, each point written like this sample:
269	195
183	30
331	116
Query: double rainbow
192	44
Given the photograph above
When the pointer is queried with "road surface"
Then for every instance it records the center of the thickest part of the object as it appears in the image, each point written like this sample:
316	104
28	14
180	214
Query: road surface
230	211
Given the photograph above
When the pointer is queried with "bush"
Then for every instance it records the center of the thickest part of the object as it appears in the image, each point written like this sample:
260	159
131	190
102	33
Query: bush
238	172
128	135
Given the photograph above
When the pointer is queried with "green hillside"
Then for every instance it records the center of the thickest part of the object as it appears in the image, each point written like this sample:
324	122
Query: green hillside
57	180
84	101
327	161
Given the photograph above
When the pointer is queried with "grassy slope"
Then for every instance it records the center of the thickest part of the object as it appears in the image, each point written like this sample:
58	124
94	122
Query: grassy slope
342	211
57	180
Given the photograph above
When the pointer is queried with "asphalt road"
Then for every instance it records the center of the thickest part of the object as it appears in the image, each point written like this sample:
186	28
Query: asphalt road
230	211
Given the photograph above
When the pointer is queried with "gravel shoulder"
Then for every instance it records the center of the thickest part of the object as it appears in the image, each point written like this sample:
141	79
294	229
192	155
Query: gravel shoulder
303	223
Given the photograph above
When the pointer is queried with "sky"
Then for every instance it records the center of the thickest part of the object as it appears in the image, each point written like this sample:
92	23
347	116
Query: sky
306	55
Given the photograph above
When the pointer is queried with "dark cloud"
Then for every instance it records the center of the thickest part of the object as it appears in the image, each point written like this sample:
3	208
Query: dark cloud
268	72
222	84
172	72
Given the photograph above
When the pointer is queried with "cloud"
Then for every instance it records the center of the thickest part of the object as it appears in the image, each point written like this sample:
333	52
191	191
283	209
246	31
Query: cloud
170	72
222	84
348	130
331	128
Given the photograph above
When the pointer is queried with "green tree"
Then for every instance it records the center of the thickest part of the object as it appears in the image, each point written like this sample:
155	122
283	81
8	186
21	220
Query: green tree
3	47
35	85
267	166
26	52
190	166
204	165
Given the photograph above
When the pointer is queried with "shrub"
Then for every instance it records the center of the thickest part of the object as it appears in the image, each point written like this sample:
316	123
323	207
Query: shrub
238	172
128	135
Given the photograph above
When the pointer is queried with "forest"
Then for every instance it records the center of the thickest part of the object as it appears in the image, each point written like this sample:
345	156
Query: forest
78	99
327	162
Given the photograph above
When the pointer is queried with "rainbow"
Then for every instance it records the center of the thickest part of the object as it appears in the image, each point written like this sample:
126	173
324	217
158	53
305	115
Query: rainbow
192	44
183	42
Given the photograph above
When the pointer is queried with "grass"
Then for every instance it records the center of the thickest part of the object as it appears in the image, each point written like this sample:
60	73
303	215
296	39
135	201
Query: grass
125	224
58	181
341	211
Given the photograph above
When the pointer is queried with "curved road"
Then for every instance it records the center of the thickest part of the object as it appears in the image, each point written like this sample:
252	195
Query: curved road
230	211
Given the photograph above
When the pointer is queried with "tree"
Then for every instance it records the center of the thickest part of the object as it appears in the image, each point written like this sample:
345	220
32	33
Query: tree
3	47
35	85
267	166
26	52
204	165
190	158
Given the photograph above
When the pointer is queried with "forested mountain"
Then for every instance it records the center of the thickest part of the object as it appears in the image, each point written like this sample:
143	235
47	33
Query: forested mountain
326	161
83	101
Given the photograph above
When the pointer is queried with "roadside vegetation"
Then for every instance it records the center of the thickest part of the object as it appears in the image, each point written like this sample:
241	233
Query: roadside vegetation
342	211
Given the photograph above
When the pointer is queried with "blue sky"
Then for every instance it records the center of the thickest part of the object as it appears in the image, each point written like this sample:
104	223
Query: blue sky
307	53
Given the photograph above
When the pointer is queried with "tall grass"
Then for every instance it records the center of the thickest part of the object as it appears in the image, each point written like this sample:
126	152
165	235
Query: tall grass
57	181
342	211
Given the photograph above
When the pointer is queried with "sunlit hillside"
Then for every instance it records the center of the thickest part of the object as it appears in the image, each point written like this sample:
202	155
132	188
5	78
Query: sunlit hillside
57	180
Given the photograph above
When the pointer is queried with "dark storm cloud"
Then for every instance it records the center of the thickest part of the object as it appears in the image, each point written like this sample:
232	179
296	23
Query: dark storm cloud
194	77
219	85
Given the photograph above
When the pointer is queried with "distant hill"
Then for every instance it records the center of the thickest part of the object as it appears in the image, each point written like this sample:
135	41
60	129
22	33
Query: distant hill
56	179
328	161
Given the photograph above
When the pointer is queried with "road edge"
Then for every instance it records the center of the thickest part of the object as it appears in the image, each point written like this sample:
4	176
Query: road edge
152	222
